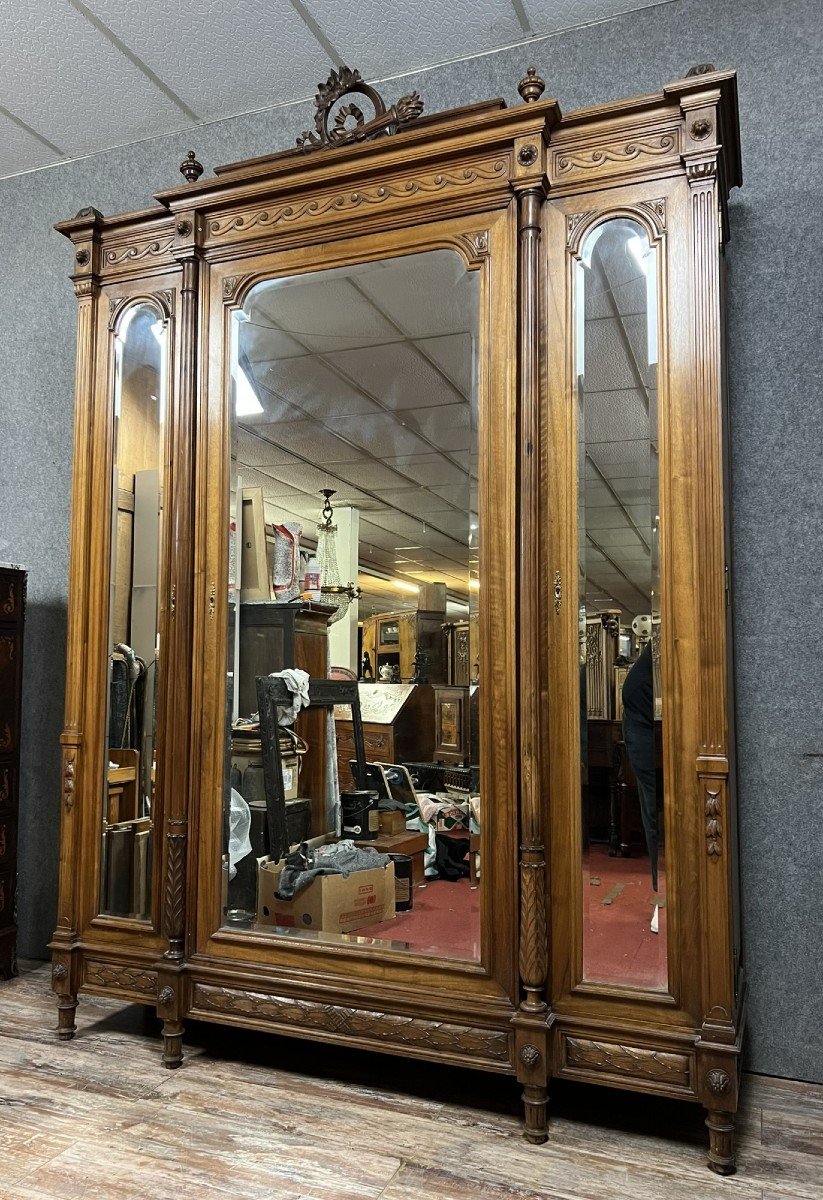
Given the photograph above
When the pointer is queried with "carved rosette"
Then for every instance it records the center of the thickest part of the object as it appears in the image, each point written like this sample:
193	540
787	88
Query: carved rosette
718	1082
464	1040
530	1056
165	997
476	245
59	972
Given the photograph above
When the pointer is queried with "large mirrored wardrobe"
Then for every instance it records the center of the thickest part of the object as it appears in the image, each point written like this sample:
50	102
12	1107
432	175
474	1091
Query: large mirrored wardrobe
399	700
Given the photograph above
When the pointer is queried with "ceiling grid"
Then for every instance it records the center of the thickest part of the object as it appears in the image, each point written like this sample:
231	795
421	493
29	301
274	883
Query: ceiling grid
171	68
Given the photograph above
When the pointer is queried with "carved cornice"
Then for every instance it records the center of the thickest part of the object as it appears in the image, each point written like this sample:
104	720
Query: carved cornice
489	1044
634	1061
121	978
342	202
626	150
115	255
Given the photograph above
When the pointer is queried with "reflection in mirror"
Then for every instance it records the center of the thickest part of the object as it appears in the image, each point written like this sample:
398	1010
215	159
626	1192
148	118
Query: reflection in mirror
353	556
624	878
137	498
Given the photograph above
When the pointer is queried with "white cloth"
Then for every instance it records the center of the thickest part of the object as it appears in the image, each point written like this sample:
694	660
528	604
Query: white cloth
239	826
298	684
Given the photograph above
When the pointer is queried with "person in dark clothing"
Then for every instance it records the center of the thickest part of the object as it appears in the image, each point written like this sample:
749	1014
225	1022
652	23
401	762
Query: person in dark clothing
638	734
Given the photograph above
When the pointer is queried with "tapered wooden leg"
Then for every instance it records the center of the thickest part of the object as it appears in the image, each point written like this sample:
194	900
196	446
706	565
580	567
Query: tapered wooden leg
172	1044
66	1008
721	1142
535	1104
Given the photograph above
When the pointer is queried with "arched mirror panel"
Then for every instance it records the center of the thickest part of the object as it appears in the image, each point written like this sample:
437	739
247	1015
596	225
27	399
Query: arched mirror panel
140	349
619	522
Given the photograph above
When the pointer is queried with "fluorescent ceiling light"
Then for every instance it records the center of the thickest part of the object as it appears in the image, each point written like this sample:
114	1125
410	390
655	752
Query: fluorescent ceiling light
246	403
402	586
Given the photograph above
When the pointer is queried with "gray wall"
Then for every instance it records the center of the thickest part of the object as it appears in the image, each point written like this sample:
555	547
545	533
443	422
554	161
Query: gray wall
777	365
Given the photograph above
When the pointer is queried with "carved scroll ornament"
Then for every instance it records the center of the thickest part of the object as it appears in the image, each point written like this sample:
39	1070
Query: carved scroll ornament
349	123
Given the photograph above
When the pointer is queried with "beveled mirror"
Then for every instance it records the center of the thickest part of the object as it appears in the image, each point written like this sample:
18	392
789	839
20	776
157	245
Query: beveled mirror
621	708
140	352
354	550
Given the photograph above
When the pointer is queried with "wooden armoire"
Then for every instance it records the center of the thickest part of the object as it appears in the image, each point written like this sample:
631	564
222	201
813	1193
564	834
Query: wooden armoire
575	264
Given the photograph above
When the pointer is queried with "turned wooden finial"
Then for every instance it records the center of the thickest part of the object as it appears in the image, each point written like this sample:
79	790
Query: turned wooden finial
190	168
531	87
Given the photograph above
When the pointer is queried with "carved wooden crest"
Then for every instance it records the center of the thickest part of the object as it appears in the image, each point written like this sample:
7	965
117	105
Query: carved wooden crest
349	124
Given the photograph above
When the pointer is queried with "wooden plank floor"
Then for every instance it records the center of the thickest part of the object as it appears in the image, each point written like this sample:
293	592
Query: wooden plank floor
250	1116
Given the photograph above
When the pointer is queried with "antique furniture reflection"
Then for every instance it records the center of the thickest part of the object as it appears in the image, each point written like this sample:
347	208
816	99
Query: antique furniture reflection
12	616
395	638
498	334
398	725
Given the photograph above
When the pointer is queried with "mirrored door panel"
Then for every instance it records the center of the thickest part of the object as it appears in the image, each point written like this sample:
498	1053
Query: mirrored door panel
140	398
354	556
621	710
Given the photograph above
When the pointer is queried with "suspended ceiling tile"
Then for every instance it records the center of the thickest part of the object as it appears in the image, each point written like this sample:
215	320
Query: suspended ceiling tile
20	151
312	387
324	313
425	295
222	58
258	450
263	344
446	426
417	500
397	375
453	354
88	95
384	39
548	16
381	436
377	477
432	470
309	440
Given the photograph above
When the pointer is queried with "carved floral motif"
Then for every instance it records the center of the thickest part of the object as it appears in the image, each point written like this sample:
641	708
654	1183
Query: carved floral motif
714	830
9	604
69	768
353	1022
629	1060
5	786
128	979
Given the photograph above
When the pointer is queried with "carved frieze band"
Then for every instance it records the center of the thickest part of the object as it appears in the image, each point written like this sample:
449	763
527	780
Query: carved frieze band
127	979
342	202
626	150
115	255
638	1062
354	1022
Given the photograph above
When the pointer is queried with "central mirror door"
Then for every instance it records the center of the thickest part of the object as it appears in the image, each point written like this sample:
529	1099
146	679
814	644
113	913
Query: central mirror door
354	556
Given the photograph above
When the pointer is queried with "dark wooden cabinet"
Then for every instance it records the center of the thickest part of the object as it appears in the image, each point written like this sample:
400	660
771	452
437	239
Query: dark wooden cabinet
12	614
407	735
